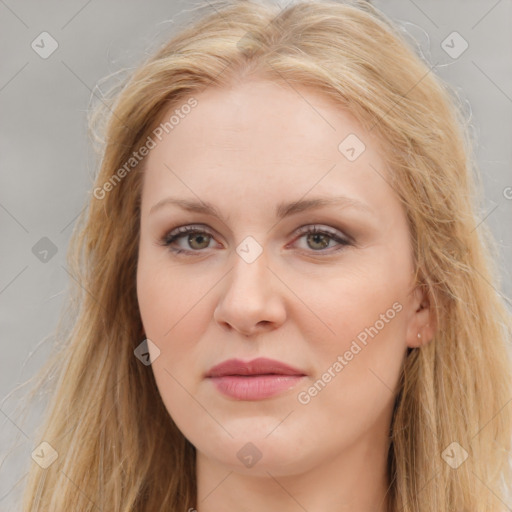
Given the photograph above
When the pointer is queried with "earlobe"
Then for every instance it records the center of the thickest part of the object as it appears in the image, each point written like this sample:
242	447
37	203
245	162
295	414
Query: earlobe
422	325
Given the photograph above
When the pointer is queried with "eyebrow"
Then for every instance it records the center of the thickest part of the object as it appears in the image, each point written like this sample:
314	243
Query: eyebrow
283	209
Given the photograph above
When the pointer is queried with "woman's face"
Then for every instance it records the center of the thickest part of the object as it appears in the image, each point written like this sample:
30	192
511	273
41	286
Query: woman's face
254	282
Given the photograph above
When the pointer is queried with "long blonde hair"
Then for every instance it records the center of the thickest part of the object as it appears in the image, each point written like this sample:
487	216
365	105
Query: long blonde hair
118	448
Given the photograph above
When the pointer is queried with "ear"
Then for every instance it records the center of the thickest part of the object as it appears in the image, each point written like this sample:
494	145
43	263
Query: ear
422	320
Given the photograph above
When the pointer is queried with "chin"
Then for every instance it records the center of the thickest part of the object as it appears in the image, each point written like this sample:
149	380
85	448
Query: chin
257	453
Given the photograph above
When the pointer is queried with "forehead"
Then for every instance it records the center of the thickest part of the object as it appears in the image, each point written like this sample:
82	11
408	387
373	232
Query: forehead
260	140
263	118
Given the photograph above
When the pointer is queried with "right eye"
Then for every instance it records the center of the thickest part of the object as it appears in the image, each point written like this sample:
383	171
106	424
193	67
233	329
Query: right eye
191	234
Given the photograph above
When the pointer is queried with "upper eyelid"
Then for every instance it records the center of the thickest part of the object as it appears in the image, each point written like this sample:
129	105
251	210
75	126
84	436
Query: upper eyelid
335	233
305	227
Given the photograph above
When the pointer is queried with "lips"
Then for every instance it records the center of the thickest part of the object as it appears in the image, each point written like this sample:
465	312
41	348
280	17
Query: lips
260	366
253	380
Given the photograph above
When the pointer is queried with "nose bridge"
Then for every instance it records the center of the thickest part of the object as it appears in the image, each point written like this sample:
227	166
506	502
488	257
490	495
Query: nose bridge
250	272
249	293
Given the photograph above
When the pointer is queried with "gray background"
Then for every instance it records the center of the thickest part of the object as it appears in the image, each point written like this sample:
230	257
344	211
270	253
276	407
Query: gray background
47	163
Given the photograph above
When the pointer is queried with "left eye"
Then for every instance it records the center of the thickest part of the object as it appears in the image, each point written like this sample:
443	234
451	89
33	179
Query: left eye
321	237
317	238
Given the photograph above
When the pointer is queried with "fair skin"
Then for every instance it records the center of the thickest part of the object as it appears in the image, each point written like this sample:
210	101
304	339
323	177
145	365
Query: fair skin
302	301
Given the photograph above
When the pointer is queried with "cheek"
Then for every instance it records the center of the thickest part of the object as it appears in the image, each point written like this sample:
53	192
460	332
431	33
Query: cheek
354	386
170	321
169	313
166	294
358	361
365	290
174	310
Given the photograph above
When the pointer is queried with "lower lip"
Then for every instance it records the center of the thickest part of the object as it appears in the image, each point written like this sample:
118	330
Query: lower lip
256	387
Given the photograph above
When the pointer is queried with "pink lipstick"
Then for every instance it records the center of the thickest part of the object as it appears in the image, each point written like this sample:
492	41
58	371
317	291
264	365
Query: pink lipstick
253	380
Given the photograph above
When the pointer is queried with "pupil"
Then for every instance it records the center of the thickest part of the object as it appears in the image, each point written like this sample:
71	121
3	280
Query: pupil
200	238
315	238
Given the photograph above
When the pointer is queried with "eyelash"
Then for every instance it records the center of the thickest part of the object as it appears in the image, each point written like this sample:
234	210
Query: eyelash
180	232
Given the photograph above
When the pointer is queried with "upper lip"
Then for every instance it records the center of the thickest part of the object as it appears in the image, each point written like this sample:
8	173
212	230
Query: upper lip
259	366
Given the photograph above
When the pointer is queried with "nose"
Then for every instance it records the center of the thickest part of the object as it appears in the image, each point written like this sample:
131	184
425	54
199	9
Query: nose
251	300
